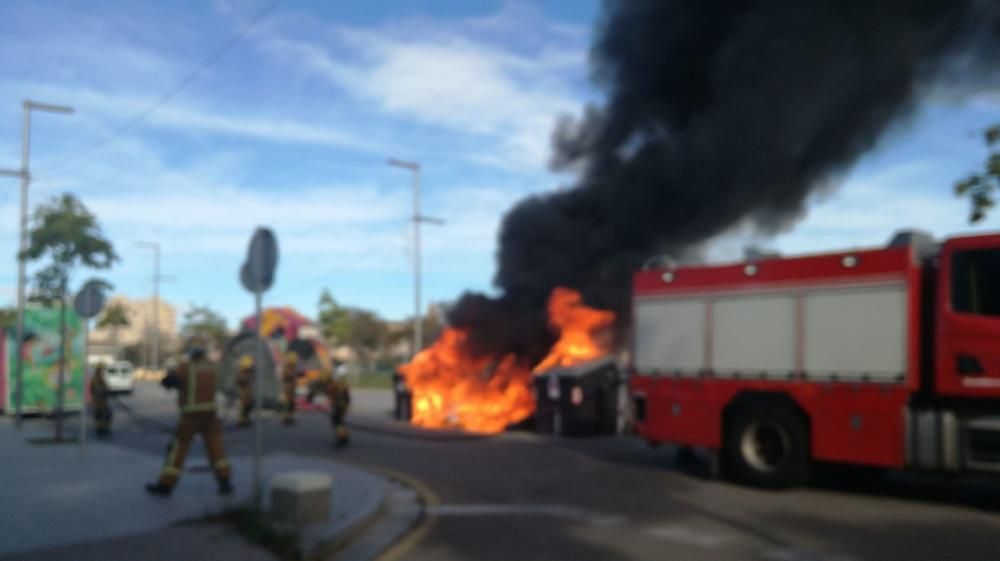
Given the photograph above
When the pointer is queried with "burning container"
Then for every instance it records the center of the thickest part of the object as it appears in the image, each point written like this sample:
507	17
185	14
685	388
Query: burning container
578	400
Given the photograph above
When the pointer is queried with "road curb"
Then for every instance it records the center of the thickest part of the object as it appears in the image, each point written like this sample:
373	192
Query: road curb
325	548
416	530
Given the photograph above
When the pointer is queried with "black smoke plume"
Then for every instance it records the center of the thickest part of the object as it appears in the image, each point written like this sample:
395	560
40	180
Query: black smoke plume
719	113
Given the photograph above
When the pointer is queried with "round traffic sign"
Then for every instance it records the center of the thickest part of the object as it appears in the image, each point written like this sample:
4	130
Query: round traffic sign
90	300
262	259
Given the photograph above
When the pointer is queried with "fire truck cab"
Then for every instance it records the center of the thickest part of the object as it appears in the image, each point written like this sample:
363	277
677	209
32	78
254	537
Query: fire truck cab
886	357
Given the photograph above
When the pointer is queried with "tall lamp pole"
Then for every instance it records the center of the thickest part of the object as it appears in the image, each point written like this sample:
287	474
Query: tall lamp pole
418	336
25	174
154	358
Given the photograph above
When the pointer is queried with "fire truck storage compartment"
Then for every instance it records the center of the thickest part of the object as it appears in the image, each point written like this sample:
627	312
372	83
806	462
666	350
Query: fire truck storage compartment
578	400
823	333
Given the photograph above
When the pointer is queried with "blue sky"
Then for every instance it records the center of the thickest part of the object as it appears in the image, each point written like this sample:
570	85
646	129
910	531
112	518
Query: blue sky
291	127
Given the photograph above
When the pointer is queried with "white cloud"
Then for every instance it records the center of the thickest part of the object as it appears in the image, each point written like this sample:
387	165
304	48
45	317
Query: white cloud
200	209
102	112
451	78
865	212
264	128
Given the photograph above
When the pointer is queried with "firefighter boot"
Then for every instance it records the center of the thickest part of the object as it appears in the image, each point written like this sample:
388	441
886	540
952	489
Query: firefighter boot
245	421
343	437
225	486
159	489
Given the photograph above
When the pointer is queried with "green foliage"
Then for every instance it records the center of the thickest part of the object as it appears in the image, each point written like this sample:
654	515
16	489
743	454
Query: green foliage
66	232
362	330
205	323
981	187
48	289
430	324
68	235
334	320
8	317
115	315
378	379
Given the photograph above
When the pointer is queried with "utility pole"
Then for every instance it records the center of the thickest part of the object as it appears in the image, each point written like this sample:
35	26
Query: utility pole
28	107
418	335
154	358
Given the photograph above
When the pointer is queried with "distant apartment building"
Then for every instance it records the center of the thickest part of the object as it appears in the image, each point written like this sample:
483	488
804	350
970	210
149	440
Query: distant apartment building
142	325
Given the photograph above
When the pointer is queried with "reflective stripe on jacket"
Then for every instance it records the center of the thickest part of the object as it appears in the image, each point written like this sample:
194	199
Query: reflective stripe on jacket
197	387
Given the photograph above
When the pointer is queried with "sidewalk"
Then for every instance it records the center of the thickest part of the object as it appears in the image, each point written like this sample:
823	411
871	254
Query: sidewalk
53	496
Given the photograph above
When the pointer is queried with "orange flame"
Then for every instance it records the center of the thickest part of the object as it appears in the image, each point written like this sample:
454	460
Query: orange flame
452	389
584	332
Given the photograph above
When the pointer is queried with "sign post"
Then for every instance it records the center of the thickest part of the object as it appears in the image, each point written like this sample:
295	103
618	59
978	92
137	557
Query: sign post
257	275
88	303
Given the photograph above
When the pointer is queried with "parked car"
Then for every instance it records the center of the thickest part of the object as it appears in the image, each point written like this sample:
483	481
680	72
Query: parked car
120	376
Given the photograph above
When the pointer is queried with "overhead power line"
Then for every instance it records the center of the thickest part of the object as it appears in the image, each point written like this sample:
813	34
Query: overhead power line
176	89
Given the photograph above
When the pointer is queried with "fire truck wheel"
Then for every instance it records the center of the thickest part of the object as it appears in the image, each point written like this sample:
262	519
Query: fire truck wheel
767	446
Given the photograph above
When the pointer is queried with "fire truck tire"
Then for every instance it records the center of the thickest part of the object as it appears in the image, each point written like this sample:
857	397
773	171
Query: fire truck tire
767	446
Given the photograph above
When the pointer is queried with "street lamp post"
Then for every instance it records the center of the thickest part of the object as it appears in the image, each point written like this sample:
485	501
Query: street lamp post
417	220
25	174
154	358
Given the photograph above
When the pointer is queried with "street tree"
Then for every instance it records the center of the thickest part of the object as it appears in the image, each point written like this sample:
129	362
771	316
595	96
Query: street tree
361	330
115	317
334	319
432	324
68	236
981	187
8	316
205	323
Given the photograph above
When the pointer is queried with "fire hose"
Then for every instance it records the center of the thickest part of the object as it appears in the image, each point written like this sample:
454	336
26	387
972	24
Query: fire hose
150	424
154	425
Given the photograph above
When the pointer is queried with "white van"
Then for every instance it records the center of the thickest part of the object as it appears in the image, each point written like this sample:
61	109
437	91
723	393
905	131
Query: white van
120	376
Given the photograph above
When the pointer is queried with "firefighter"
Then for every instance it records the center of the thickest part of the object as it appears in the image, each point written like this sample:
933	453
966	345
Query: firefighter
244	386
289	377
339	394
195	385
100	396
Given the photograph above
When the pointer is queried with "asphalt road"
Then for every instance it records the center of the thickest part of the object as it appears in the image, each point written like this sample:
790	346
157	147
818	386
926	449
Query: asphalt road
522	496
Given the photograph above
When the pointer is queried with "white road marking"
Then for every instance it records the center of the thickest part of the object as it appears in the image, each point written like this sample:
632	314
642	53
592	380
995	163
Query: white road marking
688	536
554	510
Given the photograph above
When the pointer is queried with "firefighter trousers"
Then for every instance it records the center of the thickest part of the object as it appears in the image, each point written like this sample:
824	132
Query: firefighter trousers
338	414
102	416
246	404
288	391
208	426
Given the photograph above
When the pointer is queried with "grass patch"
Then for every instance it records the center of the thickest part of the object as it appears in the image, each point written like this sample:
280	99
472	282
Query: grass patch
377	380
257	528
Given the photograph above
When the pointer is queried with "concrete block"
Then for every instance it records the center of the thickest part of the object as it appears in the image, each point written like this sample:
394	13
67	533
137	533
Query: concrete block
300	498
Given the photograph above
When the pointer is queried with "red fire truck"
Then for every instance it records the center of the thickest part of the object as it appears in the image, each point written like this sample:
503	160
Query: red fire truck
884	357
